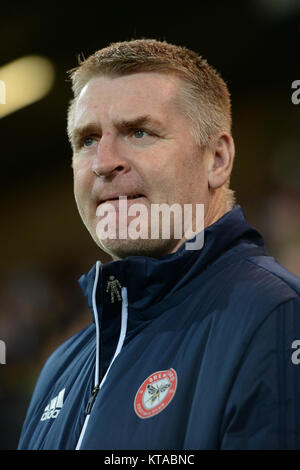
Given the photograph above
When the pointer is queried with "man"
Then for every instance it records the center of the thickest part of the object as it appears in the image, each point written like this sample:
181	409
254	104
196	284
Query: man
192	346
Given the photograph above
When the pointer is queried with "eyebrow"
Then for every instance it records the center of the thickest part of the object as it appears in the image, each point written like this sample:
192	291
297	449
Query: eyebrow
138	121
123	124
80	131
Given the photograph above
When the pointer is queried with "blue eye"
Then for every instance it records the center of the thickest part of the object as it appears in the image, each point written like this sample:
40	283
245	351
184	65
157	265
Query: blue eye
139	133
87	141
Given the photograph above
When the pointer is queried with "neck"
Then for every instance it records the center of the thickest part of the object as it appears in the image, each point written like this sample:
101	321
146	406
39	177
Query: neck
214	209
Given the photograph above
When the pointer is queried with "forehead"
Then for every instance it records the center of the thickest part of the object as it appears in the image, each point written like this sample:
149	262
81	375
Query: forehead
115	97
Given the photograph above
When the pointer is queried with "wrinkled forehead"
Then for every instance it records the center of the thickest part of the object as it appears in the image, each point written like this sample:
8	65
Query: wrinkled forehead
140	92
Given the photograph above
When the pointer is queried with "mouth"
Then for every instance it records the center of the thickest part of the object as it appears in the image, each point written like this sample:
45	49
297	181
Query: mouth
122	197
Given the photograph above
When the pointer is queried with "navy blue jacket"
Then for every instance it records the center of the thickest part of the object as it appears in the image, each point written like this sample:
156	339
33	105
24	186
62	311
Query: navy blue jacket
195	350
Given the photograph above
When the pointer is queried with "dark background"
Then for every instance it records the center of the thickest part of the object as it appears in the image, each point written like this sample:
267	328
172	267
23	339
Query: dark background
44	245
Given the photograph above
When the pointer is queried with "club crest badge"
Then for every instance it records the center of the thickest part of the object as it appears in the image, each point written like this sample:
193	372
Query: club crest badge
155	393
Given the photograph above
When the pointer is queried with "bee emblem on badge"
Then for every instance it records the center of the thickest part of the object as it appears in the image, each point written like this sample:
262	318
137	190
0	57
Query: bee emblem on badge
156	391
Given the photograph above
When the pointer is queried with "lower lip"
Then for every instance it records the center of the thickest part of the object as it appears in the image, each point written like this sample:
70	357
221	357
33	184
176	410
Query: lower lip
120	203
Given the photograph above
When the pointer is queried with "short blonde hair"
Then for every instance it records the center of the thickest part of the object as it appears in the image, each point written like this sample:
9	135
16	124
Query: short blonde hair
204	96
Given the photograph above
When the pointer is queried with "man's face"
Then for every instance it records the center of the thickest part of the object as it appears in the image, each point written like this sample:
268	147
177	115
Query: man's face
133	135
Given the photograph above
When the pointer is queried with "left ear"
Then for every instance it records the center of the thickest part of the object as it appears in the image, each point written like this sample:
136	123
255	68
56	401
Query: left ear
221	160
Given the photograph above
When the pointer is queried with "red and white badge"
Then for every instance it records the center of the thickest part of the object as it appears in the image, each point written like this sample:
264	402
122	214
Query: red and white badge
155	393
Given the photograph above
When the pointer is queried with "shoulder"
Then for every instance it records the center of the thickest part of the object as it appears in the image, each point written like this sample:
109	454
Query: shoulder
69	348
243	290
260	280
61	358
269	278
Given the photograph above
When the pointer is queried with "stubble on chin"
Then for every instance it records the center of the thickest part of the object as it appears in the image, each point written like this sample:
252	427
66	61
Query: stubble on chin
121	249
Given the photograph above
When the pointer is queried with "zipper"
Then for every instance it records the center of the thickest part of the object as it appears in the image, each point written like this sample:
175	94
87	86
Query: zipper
97	385
92	399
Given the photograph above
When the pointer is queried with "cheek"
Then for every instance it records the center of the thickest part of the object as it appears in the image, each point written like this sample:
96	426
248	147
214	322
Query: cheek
184	179
157	170
82	183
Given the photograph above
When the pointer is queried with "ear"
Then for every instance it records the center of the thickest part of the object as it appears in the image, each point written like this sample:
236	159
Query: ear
221	161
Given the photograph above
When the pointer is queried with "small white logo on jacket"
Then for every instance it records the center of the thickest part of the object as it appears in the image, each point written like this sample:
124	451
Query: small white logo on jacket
53	408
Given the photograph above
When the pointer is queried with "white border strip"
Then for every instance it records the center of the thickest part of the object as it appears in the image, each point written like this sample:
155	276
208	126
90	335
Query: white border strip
96	379
119	346
122	332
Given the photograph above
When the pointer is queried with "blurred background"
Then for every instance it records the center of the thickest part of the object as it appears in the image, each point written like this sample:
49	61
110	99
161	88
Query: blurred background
44	246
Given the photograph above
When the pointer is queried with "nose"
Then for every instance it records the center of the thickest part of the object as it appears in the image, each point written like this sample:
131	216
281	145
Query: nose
108	160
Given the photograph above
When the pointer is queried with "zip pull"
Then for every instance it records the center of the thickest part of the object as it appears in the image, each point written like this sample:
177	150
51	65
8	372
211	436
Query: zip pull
92	399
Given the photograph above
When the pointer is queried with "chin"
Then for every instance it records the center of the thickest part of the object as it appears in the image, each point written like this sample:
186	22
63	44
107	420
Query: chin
121	249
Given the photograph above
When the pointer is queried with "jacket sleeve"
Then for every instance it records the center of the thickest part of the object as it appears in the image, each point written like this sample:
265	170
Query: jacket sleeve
263	406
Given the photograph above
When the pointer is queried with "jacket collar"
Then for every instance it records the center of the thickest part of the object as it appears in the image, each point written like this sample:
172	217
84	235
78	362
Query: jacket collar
149	280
